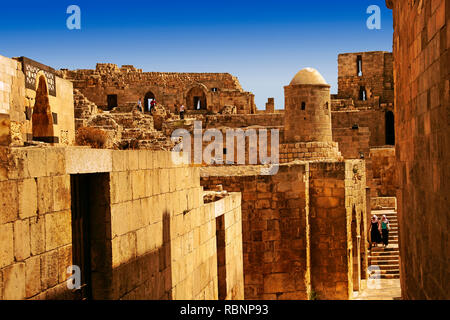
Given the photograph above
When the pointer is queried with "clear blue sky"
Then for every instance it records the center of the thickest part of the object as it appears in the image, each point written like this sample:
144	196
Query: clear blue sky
264	43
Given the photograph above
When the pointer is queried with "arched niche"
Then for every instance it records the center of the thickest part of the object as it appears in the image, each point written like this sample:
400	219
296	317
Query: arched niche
42	120
196	98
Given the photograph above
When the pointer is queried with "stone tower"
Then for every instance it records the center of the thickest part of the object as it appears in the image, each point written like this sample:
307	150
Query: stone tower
308	108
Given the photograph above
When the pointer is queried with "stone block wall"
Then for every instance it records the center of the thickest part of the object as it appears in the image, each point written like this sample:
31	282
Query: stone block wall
383	163
377	75
275	230
152	237
18	101
353	143
422	73
372	119
337	220
229	247
169	89
35	223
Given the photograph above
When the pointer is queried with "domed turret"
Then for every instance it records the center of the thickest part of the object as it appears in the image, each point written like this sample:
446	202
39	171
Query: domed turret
308	104
308	76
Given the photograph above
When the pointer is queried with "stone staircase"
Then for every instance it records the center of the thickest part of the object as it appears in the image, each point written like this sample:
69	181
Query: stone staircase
386	259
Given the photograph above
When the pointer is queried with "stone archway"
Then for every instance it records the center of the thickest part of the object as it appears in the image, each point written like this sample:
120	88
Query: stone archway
149	96
42	120
196	99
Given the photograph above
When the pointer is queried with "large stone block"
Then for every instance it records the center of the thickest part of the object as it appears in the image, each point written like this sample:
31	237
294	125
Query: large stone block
56	162
49	269
138	184
61	193
64	261
8	201
27	198
21	239
32	276
58	229
14	282
37	232
45	195
6	244
37	162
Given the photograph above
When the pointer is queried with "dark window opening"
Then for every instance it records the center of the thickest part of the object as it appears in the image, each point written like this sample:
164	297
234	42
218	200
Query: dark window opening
303	105
362	93
224	150
359	66
390	128
214	89
112	101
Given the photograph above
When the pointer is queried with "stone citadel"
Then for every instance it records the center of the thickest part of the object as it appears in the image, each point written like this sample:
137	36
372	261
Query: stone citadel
87	179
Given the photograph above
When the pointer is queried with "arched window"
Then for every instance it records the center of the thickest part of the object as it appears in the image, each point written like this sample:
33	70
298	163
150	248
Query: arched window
303	105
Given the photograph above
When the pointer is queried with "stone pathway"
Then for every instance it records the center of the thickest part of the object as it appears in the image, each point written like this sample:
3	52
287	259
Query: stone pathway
385	266
387	289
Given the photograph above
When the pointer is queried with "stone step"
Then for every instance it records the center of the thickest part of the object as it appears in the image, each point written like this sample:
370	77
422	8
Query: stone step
386	272
390	276
384	253
389	266
383	259
385	263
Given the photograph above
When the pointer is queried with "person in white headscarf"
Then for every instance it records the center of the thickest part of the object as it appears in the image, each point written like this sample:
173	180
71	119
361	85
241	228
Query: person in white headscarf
384	227
375	235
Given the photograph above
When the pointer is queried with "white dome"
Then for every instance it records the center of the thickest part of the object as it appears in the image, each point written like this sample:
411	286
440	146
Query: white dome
308	76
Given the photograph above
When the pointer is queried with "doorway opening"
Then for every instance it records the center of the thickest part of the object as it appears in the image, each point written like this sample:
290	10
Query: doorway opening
390	128
112	101
221	257
149	97
91	223
196	99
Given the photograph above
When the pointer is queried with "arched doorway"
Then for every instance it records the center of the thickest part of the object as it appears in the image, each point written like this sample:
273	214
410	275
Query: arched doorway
149	96
196	99
42	120
390	129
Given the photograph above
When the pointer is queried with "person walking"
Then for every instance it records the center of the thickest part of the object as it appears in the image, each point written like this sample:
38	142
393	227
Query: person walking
384	226
375	235
182	112
152	105
140	105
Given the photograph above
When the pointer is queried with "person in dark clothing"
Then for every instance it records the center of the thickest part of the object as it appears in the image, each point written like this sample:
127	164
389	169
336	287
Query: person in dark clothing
182	112
385	230
375	235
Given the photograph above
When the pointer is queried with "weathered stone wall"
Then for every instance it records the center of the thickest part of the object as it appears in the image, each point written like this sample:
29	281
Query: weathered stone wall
372	119
169	89
422	73
353	143
18	101
308	113
274	228
338	228
376	77
35	224
154	238
383	163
